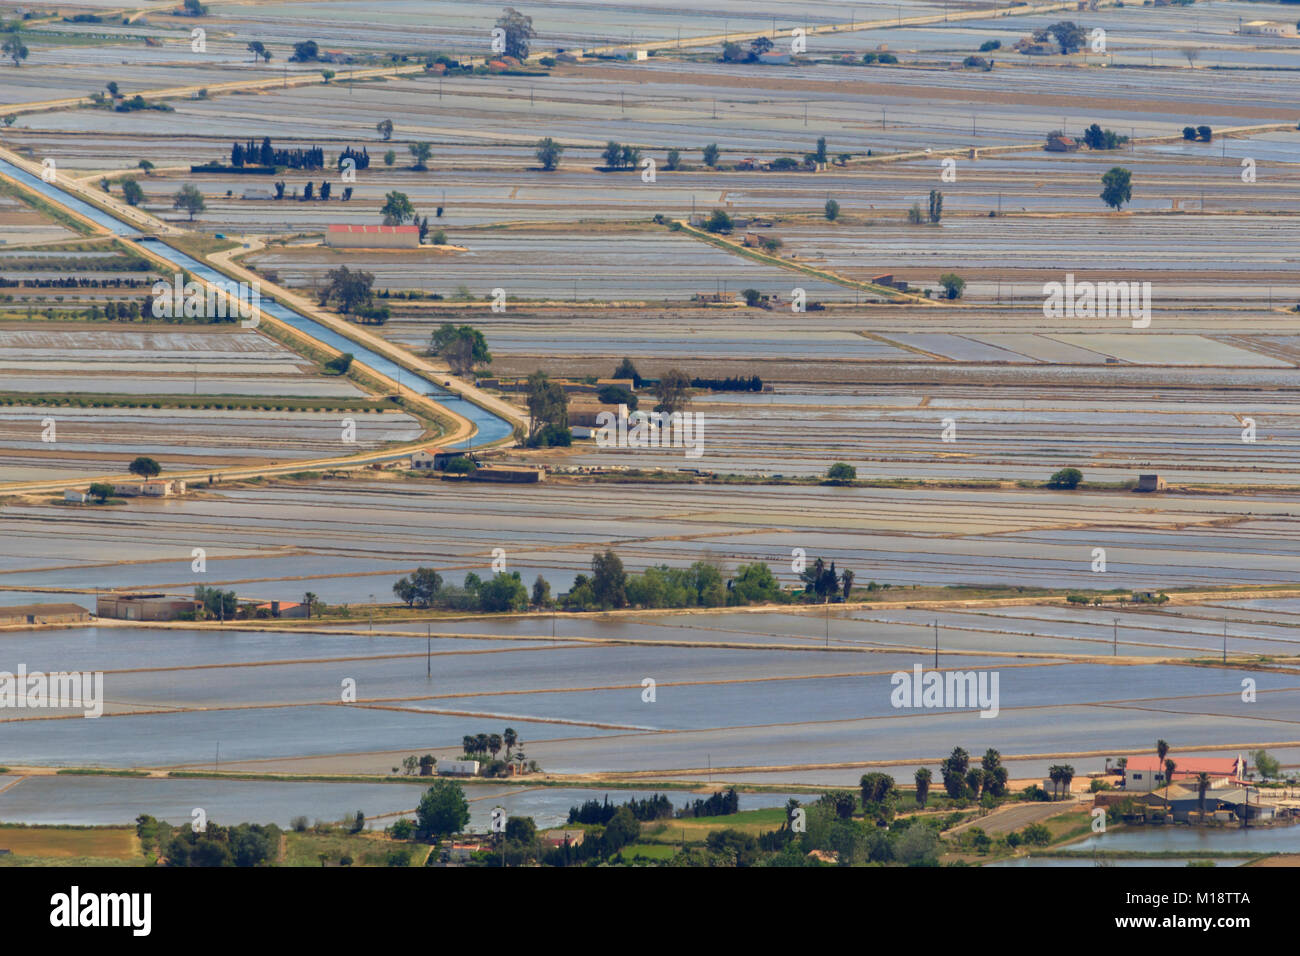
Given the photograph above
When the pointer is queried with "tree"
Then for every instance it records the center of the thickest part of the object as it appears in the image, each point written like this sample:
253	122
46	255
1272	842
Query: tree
145	166
820	154
1189	132
936	207
145	467
1067	478
327	75
841	472
1192	53
460	465
257	48
612	154
385	129
1162	748
510	737
421	153
752	297
673	391
348	288
732	52
711	154
718	221
443	810
541	592
397	209
310	602
1265	764
1116	187
132	192
1202	784
1069	35
673	160
15	49
1204	133
832	210
627	370
463	347
548	404
194	8
548	153
922	785
103	490
758	46
390	157
846	581
190	199
112	88
305	51
1170	767
519	30
914	215
953	284
608	580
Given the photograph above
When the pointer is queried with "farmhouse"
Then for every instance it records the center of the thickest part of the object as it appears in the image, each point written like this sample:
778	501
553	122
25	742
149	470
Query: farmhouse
515	474
1148	773
43	614
1268	28
1150	483
1060	143
143	607
432	459
373	237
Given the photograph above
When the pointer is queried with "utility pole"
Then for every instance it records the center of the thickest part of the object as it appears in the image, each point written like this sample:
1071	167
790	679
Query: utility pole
828	624
428	652
1115	652
936	645
1225	638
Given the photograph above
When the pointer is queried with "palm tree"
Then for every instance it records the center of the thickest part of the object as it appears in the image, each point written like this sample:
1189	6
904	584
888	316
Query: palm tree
1170	766
1162	748
308	600
1202	784
511	738
1067	774
481	743
922	785
847	579
494	744
467	743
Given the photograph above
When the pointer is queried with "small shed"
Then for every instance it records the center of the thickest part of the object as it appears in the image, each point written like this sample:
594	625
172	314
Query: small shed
1150	483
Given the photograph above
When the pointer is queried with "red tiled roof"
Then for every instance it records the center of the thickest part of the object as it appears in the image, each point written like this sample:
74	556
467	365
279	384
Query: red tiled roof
1221	766
374	229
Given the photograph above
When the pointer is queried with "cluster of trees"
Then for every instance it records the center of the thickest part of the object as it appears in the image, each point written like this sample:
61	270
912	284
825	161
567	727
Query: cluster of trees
933	213
252	154
258	49
656	807
736	383
305	52
246	844
823	584
1067	478
477	744
1094	137
619	156
962	781
721	804
885	58
700	585
425	588
351	291
734	53
362	159
75	282
219	604
463	347
518	31
1202	133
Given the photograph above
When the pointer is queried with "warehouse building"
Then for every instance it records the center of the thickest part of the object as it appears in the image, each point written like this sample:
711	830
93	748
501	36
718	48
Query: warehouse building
373	237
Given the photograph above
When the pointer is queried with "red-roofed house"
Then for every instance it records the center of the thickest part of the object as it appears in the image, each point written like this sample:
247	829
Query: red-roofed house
1148	773
373	237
